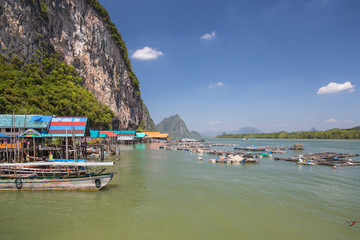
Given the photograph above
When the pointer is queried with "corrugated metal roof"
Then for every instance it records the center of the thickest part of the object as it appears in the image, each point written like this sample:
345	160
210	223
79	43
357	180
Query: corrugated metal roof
69	128
32	121
62	135
111	133
66	126
140	135
125	131
157	135
94	133
41	119
125	134
108	133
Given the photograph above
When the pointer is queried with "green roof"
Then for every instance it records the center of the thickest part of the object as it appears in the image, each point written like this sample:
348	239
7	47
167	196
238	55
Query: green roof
140	135
32	121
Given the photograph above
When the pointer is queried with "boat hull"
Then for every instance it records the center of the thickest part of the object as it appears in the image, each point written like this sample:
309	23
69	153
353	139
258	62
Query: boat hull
93	183
45	172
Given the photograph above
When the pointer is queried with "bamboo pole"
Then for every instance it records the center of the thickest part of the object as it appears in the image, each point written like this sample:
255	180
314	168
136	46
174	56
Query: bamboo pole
74	143
34	147
22	145
66	146
7	154
11	138
18	144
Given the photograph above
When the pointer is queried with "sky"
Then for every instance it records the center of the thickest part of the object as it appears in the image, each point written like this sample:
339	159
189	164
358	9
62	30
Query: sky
277	65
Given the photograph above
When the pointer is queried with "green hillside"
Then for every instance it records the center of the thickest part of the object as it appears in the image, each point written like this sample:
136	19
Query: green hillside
352	133
48	87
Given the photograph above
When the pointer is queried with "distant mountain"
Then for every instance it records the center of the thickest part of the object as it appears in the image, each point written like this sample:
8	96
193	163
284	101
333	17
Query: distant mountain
244	130
247	130
176	128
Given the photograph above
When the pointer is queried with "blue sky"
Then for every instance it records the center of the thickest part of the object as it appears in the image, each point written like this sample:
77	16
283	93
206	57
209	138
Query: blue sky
225	64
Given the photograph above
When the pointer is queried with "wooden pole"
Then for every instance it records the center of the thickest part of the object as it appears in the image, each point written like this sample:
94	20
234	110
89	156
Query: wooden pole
22	145
74	143
7	154
11	138
67	147
80	151
34	147
18	144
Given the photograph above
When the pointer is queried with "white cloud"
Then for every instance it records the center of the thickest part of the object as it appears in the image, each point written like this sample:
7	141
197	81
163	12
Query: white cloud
147	53
331	120
336	87
218	84
208	36
214	122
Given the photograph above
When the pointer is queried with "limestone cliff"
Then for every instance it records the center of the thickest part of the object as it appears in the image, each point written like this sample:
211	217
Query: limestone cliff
76	31
176	128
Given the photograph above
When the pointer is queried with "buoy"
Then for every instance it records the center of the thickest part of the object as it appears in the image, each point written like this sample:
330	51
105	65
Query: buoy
334	167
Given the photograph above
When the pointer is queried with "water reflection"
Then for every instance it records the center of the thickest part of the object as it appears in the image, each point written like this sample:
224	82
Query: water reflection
160	194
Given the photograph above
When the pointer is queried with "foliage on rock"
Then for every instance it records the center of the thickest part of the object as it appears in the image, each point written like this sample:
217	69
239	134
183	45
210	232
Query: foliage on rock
50	87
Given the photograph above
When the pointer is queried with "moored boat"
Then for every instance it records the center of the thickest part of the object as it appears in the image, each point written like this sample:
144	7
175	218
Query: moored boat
16	179
95	182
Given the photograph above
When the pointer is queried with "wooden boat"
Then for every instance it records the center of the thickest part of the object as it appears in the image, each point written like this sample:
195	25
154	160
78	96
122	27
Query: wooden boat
89	181
95	182
264	154
47	171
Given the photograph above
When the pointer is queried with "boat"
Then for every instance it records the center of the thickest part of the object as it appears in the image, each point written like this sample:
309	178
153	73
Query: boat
47	171
264	154
32	181
95	182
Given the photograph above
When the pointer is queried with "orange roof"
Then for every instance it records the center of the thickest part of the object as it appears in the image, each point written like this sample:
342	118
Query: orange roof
109	134
157	134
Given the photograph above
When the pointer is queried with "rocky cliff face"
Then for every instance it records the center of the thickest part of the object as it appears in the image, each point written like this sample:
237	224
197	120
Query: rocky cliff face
176	128
79	35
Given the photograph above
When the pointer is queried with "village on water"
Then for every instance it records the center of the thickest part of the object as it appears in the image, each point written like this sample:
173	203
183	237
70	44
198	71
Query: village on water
39	152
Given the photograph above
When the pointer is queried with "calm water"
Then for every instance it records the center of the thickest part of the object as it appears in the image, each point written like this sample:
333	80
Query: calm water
159	194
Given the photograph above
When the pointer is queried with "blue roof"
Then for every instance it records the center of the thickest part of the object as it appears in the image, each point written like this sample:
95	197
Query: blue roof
42	121
94	133
124	131
66	126
4	136
62	135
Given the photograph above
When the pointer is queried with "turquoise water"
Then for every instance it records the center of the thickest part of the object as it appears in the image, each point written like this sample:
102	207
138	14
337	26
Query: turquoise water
161	194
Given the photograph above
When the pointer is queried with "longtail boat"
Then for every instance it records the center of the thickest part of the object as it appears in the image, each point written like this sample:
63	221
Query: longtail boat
46	170
90	181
